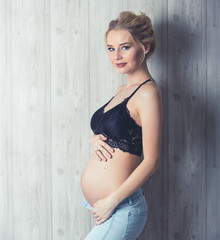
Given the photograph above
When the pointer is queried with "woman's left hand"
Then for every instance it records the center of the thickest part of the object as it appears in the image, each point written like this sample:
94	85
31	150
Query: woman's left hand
103	209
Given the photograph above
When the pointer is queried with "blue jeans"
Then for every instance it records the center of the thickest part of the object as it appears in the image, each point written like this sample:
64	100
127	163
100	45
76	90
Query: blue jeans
126	222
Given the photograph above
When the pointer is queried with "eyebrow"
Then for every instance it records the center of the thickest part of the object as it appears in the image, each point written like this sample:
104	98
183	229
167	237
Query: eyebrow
120	44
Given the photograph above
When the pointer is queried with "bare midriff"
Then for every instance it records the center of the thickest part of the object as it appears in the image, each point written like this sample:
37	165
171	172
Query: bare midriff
100	178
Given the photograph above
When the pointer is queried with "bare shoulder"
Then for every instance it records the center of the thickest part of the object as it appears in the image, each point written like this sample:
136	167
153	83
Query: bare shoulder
149	92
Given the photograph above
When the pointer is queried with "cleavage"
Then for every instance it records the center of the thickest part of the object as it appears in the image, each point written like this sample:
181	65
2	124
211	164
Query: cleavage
119	103
107	110
127	109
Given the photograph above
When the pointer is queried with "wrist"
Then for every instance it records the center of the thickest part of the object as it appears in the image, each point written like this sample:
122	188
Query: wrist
114	198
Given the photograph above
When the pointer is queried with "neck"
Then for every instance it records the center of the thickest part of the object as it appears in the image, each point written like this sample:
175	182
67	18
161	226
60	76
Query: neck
138	76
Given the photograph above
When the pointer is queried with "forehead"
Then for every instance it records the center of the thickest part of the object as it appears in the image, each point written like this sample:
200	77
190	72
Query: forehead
115	37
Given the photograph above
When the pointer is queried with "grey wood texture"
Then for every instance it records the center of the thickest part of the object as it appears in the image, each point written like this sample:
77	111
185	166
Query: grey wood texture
212	129
55	72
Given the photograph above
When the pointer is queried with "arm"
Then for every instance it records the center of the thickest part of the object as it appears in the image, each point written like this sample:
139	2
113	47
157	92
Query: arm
151	121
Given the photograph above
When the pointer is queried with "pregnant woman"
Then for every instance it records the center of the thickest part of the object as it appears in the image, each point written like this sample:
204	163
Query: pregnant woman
127	126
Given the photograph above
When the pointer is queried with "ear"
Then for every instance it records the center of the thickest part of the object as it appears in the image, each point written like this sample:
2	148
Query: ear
147	48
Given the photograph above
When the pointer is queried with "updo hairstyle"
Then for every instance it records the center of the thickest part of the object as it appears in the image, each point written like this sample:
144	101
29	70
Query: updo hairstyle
140	28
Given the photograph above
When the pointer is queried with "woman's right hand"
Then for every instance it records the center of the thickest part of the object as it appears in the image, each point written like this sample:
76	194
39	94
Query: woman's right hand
100	148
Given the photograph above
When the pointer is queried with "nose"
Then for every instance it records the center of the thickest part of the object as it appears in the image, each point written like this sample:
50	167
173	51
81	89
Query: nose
118	55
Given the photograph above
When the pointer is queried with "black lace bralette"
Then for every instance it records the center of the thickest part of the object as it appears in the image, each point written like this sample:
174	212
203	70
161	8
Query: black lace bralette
119	127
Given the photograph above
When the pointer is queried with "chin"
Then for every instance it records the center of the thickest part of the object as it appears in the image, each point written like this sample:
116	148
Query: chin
122	73
121	70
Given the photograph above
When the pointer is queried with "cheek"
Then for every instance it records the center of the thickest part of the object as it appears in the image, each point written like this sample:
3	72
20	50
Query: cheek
138	55
134	56
111	58
137	58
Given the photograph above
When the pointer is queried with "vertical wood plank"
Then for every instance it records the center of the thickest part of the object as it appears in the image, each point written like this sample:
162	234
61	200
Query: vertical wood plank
6	181
187	98
70	82
30	174
213	120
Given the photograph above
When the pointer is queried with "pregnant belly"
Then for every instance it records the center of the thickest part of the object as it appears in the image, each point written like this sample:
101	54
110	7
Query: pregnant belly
100	178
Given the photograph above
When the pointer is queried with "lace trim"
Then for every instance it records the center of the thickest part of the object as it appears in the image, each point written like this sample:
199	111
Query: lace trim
125	146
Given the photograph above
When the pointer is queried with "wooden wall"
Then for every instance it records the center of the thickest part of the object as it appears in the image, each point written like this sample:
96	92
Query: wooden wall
54	73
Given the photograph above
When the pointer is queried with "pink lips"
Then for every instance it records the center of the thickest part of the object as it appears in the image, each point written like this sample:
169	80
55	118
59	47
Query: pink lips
120	65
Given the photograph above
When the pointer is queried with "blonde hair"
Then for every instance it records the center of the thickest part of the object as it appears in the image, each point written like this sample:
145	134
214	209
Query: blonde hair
140	28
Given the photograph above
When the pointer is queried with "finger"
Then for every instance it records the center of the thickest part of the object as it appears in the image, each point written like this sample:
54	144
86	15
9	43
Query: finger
106	153
101	155
97	154
109	148
97	218
94	214
103	137
106	146
100	221
95	151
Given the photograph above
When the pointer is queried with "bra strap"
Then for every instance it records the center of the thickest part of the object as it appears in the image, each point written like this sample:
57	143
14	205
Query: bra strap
139	87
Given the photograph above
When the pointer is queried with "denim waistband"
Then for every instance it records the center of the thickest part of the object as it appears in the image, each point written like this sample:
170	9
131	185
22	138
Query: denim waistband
139	192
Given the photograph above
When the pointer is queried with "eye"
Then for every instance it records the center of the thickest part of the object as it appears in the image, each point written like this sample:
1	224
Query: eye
110	49
125	47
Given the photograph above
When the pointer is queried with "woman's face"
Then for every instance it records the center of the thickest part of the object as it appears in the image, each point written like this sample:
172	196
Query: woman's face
123	49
